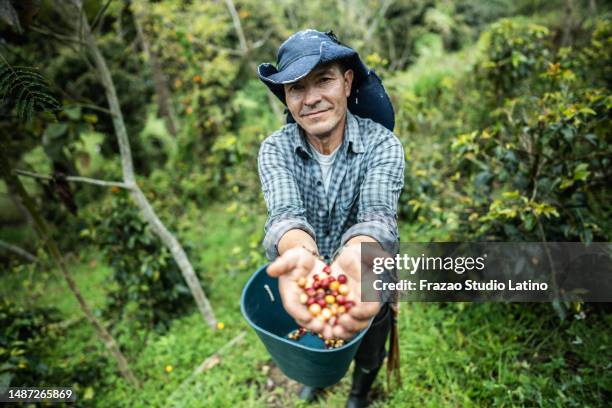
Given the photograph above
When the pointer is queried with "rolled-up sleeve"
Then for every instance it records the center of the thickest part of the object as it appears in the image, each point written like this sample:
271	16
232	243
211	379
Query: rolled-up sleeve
379	194
285	207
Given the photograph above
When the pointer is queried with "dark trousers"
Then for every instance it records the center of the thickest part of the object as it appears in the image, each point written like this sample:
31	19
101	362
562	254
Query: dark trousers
371	351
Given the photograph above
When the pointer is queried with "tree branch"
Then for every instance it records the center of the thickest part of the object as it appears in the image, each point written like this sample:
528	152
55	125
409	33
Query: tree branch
76	179
17	250
237	25
146	210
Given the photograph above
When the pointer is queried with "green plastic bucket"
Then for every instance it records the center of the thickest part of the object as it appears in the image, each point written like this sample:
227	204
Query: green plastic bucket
306	361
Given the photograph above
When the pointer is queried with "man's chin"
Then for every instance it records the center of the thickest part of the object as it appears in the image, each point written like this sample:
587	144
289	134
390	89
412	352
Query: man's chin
319	130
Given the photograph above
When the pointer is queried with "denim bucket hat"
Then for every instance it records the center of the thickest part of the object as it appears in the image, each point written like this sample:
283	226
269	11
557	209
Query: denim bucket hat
305	50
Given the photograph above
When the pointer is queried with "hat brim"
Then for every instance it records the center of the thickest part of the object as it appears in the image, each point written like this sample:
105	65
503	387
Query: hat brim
298	69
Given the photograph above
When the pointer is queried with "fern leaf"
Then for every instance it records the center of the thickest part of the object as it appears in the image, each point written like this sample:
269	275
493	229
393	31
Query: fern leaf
26	90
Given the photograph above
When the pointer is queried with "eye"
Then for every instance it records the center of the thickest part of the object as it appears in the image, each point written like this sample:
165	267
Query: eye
325	79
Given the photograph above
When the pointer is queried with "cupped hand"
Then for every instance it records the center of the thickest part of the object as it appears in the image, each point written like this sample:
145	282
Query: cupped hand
288	268
358	317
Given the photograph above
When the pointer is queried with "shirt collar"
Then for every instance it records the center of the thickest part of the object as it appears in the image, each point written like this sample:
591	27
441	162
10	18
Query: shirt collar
351	133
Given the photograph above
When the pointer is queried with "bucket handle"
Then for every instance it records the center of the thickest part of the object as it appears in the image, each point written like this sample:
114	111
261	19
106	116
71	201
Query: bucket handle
267	288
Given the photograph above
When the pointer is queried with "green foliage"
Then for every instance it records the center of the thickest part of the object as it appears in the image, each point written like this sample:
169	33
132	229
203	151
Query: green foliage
514	52
24	331
536	165
26	90
506	139
146	286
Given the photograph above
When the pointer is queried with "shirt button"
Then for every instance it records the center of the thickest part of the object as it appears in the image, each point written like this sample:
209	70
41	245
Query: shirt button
327	232
321	213
319	183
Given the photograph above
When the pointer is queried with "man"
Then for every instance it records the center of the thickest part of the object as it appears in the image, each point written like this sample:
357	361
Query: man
330	181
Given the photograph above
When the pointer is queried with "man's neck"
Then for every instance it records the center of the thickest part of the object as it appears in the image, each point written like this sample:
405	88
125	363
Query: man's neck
328	143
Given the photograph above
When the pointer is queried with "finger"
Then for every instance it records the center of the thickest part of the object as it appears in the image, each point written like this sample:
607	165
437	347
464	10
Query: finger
303	323
328	331
316	325
340	332
364	310
282	264
352	325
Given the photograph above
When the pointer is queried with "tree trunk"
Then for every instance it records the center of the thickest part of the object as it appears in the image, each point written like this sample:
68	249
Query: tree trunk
246	54
159	79
129	178
568	25
43	231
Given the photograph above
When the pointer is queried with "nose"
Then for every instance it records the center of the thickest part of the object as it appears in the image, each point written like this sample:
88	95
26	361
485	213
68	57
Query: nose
311	96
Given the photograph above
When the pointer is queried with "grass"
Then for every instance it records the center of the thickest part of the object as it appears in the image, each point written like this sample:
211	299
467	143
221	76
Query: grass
451	354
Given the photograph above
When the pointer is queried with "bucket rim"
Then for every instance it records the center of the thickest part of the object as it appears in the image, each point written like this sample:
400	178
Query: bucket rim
287	341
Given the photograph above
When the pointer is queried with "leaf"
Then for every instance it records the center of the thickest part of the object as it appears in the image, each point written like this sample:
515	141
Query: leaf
581	172
568	133
587	111
25	90
565	183
73	112
88	394
56	130
529	222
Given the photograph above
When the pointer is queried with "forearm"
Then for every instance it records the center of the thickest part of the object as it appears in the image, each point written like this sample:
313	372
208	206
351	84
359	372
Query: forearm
296	238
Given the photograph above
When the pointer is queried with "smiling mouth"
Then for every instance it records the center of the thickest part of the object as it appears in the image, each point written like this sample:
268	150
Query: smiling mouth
315	113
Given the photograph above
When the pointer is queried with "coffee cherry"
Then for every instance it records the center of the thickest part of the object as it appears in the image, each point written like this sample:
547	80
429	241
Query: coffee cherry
334	285
330	299
303	298
343	289
325	283
327	269
311	292
301	282
340	299
310	301
341	310
321	302
326	314
349	304
314	309
315	277
316	284
342	278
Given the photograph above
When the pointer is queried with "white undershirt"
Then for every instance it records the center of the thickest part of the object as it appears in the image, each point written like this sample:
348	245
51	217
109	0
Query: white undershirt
326	162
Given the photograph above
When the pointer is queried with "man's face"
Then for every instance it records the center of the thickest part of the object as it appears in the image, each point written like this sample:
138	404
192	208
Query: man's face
318	102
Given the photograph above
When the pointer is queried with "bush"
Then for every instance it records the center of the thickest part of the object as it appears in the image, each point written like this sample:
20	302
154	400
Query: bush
146	285
24	333
518	148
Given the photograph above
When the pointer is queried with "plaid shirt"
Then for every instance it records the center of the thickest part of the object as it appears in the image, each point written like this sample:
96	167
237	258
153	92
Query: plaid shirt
366	181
